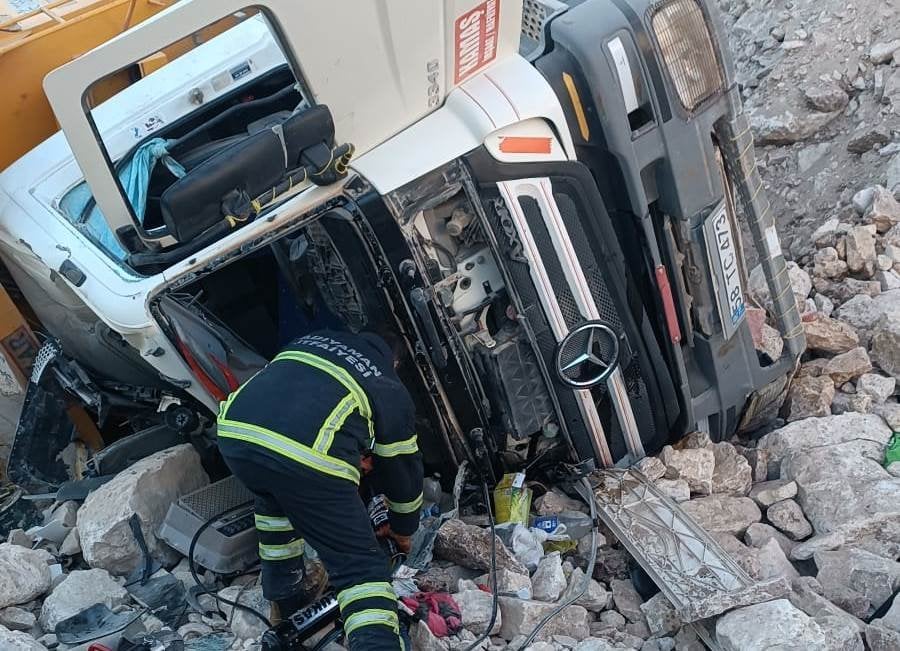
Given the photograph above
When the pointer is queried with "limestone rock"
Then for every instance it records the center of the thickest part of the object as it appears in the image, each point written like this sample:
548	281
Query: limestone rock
824	305
789	126
891	619
767	626
723	513
548	581
508	583
879	387
758	460
868	138
595	598
475	608
879	638
676	489
626	599
759	533
809	596
829	336
768	492
874	577
889	279
863	312
79	590
17	619
554	502
787	516
862	200
71	545
731	472
886	344
651	467
884	211
470	546
846	402
809	396
147	489
661	616
826	97
882	52
422	638
839	634
24	574
18	641
774	563
828	264
521	616
744	556
595	644
695	441
242	623
849	366
696	466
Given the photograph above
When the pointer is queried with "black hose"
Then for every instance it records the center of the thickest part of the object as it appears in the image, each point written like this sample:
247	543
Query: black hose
206	525
496	589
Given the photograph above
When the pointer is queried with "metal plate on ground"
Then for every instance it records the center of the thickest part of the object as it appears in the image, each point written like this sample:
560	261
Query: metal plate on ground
696	575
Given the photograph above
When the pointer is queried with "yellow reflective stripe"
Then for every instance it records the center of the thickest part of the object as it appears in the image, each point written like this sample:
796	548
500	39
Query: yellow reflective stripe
288	448
371	617
284	552
334	422
269	523
406	507
340	374
366	591
409	446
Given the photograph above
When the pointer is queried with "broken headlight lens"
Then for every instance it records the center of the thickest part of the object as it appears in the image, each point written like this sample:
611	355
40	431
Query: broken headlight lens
687	50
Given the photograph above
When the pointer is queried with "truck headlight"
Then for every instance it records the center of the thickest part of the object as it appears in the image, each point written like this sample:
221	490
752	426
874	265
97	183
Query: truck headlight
687	50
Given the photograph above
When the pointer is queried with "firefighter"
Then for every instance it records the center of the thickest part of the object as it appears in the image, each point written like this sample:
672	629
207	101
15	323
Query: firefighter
295	435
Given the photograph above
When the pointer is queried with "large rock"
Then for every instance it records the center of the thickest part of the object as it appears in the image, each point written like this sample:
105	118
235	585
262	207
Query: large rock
740	553
882	51
829	336
17	619
826	97
809	596
595	598
147	489
891	619
874	577
847	289
555	501
884	211
839	634
696	466
244	624
886	343
772	127
879	387
879	638
732	473
818	432
626	599
878	534
759	533
80	589
863	312
520	616
828	264
787	517
475	608
423	639
890	412
768	492
18	641
549	581
508	583
774	563
768	626
24	574
677	490
470	546
651	467
861	252
723	513
662	619
848	366
809	397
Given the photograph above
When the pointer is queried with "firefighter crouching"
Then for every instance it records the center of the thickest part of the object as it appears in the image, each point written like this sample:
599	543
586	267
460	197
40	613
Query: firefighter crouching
294	435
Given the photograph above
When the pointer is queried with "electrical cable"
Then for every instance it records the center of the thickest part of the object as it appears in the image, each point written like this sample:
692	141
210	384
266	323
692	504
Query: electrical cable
496	592
588	575
190	556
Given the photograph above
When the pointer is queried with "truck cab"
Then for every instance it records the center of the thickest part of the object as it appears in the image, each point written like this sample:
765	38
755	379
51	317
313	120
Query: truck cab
545	199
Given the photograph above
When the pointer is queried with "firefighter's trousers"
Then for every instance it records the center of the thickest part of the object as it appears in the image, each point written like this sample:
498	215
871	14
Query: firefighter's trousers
295	504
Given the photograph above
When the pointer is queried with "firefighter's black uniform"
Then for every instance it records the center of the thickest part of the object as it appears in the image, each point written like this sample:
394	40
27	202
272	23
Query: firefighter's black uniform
294	434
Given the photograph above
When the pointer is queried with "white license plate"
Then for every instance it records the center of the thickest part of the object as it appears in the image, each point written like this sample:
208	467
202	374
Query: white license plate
726	273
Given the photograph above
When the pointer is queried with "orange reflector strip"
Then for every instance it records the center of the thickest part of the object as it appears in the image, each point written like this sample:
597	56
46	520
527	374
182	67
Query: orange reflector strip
525	145
665	291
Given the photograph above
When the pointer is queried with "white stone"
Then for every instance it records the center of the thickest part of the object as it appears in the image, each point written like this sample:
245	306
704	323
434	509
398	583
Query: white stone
661	616
863	312
424	640
886	343
696	466
768	492
24	574
18	641
475	608
554	502
840	635
879	387
787	516
626	599
549	581
723	513
769	626
147	489
17	619
676	489
242	623
759	533
732	473
652	468
596	644
78	591
891	618
520	616
71	545
595	597
508	583
774	563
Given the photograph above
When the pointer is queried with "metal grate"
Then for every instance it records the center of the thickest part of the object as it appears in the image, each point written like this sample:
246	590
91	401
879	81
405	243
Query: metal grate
534	13
210	501
687	50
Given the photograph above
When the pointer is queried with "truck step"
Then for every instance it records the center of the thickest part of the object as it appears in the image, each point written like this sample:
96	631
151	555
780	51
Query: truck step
697	576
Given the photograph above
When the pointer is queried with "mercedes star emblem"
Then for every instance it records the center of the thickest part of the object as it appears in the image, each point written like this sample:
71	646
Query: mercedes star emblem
588	355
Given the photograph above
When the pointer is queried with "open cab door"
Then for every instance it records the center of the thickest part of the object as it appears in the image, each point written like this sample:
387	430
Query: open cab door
199	98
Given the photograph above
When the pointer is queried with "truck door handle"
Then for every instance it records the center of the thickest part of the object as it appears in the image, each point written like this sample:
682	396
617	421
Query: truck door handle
419	301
